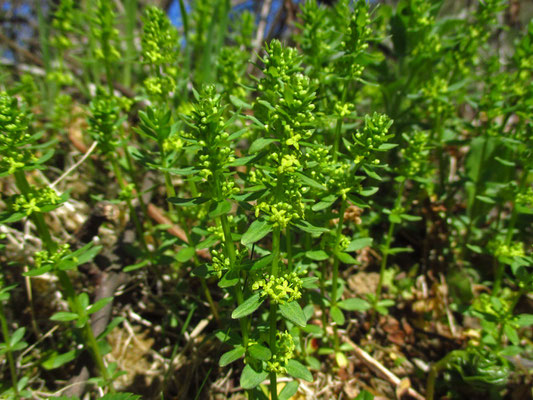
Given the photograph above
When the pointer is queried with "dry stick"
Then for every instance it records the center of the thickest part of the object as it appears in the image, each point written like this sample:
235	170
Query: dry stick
261	26
23	52
379	368
75	165
154	212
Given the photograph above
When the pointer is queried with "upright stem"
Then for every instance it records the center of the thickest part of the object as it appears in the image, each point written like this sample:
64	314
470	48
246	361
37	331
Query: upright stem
388	241
10	359
509	237
335	276
273	315
338	127
477	181
90	340
133	213
131	16
37	217
288	244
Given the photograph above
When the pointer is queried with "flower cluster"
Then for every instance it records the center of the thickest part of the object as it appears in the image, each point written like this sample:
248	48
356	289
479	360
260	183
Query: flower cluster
435	91
104	120
284	352
369	140
45	258
36	200
415	155
105	33
206	120
282	289
525	198
63	22
160	47
355	40
231	67
220	262
159	40
503	250
14	135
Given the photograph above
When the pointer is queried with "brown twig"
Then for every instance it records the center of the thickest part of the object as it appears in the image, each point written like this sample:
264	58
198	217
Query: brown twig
380	369
260	34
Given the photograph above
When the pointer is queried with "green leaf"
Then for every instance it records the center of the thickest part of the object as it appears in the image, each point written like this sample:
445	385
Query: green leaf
317	255
238	102
309	282
260	144
187	202
511	334
289	390
485	199
260	352
507	163
524	319
85	254
99	305
397	250
251	378
57	360
475	249
137	266
256	231
231	356
229	279
368	192
359	244
371	173
337	315
409	217
345	258
354	304
64	316
248	306
39	271
313	230
309	182
324	203
185	254
293	312
297	370
222	207
121	396
364	395
16	337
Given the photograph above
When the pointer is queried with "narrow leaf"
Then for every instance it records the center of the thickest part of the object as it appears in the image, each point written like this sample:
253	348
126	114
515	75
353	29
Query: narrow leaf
293	312
248	306
297	370
257	231
354	304
231	356
251	378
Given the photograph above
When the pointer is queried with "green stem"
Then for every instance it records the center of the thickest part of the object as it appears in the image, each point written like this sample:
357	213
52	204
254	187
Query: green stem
335	276
386	248
10	359
433	373
88	334
470	211
338	127
131	18
133	213
273	314
37	217
288	244
509	236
